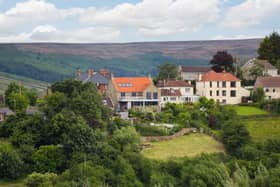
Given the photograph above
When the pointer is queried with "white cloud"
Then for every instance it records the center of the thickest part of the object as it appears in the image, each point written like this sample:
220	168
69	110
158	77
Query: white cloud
33	12
48	33
156	17
250	12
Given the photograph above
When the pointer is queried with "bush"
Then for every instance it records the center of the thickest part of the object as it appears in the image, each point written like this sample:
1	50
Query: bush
40	180
10	162
147	130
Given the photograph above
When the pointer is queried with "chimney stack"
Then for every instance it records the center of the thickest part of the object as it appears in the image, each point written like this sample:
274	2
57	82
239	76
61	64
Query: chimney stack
90	72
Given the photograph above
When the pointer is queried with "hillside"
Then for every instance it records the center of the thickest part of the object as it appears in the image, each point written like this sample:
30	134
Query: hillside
6	79
52	62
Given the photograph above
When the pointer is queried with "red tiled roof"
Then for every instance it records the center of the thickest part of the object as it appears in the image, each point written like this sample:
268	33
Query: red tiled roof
214	76
170	92
131	84
202	69
267	82
173	83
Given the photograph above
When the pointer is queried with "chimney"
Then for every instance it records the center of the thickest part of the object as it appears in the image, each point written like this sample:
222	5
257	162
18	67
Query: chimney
78	74
199	77
90	72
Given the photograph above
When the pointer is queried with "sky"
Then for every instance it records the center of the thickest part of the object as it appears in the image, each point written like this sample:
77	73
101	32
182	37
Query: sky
98	21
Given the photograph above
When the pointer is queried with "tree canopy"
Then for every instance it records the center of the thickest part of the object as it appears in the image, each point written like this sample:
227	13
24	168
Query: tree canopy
222	61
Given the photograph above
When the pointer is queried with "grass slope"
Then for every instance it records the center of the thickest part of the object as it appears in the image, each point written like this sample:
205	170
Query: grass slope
263	128
190	145
6	79
249	111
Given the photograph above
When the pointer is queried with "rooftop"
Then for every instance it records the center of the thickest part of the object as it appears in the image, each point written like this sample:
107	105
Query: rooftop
96	78
173	83
170	92
202	69
223	76
131	84
267	82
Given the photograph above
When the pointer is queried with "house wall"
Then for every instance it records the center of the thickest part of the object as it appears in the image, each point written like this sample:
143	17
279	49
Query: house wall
113	94
185	91
191	76
272	72
204	89
170	99
2	117
272	93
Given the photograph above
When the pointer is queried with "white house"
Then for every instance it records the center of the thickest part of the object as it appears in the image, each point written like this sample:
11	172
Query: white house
176	91
192	73
271	86
222	87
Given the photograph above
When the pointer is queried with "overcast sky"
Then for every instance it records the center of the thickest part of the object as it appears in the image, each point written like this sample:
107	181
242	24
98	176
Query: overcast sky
136	20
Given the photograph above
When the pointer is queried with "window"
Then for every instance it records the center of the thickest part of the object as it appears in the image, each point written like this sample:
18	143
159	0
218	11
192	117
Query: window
164	99
233	84
148	95
173	98
210	84
140	94
224	93
187	89
218	84
266	90
133	94
155	95
224	84
232	93
218	100
273	90
211	93
123	94
224	101
217	93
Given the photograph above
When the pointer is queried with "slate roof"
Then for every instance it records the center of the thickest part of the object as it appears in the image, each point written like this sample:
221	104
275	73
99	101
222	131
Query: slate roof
131	84
268	82
96	78
170	92
173	83
223	76
202	69
6	111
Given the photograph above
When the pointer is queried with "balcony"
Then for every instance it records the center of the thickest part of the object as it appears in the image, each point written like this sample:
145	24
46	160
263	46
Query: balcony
136	98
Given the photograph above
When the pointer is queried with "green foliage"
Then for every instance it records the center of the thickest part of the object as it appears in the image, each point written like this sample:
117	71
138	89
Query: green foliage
49	158
258	95
41	180
166	71
10	162
256	71
270	48
234	135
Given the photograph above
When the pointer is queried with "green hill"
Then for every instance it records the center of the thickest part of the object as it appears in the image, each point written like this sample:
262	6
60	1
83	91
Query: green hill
6	79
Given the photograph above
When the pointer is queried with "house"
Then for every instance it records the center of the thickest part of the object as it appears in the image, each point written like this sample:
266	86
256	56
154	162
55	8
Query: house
222	87
100	79
5	112
176	91
271	86
133	92
192	73
267	68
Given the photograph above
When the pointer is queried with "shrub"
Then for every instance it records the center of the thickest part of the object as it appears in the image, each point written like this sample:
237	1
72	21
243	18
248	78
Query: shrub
40	180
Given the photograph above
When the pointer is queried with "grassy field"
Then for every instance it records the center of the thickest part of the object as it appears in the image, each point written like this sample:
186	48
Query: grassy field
249	111
18	183
6	79
263	128
190	145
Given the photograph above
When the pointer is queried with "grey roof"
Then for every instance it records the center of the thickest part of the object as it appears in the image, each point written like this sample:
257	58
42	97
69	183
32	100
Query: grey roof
97	78
6	111
202	69
269	82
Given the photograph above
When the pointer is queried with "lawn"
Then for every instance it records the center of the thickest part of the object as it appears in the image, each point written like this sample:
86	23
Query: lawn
249	111
263	128
189	145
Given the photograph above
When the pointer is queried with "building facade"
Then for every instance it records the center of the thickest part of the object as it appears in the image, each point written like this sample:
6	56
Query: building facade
271	86
222	87
133	92
176	91
192	73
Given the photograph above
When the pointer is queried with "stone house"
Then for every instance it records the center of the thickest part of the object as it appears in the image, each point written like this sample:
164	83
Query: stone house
192	73
222	87
271	86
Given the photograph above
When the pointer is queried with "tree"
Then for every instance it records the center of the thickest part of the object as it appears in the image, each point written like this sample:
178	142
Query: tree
234	135
256	71
258	95
40	180
49	158
222	61
10	162
166	71
17	102
270	48
32	95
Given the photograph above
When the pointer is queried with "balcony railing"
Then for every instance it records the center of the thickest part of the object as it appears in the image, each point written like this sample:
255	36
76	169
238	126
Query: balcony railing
137	98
